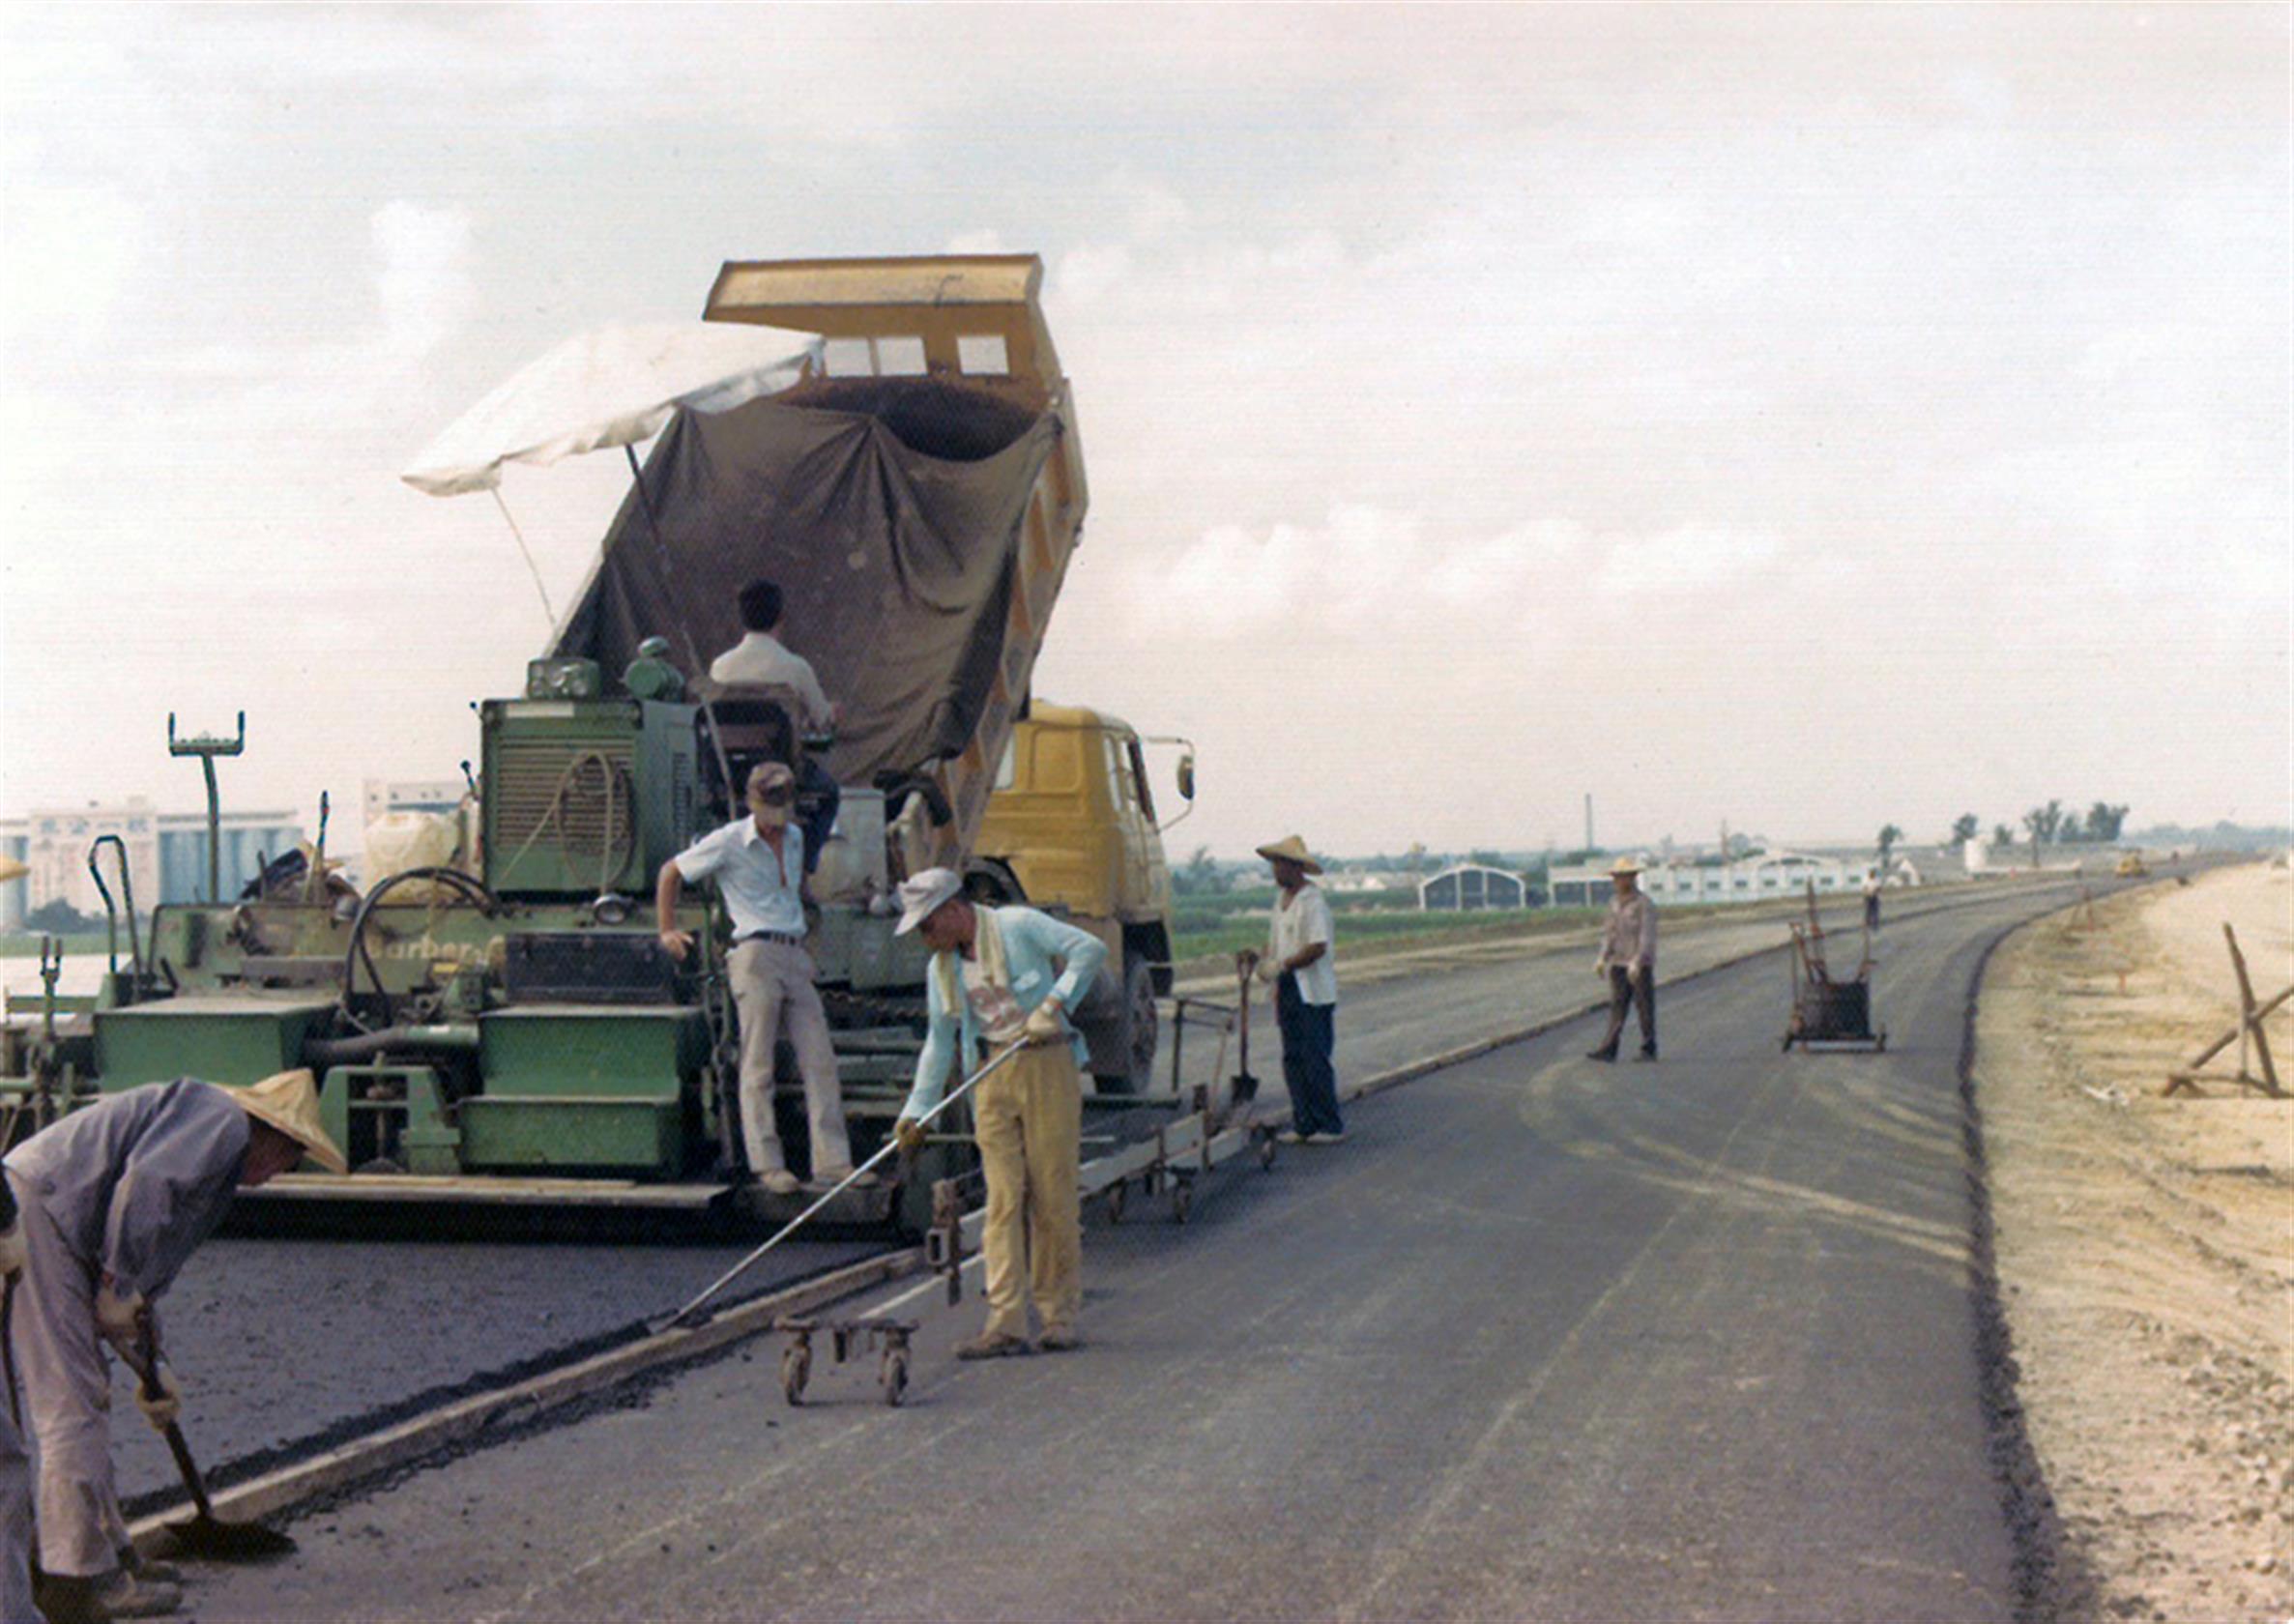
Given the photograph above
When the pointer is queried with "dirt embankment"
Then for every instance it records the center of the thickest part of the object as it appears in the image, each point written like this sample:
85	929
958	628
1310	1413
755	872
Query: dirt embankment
2145	1246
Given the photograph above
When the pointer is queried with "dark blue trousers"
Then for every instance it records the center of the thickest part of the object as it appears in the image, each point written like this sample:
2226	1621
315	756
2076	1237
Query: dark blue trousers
1308	1031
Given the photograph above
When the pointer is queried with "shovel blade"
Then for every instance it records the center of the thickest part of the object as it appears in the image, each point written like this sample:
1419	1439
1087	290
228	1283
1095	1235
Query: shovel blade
1243	1088
213	1540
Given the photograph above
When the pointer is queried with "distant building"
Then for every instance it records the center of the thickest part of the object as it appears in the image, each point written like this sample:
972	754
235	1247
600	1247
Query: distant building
166	854
1471	886
1746	879
385	796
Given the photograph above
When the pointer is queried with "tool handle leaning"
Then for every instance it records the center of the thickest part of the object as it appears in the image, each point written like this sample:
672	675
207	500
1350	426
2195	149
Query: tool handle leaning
146	1366
684	1315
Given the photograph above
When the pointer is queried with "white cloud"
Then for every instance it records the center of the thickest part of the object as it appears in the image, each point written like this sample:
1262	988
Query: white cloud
423	282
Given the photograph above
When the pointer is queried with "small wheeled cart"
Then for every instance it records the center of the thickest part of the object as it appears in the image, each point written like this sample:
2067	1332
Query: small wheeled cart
1828	1012
846	1339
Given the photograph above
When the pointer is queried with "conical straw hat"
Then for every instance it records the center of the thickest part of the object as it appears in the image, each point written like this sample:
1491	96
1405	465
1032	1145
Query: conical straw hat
10	869
1293	848
290	1103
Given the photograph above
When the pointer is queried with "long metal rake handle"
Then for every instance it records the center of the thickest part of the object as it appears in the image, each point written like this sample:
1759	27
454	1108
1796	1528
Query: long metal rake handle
684	1315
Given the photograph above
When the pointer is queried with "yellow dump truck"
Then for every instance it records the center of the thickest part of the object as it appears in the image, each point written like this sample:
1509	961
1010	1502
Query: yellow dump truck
1072	826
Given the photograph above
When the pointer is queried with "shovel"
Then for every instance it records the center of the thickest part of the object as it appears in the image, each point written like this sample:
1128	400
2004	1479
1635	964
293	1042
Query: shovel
205	1535
1242	1088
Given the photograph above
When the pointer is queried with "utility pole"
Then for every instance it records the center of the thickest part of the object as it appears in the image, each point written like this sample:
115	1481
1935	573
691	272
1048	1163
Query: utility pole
1589	821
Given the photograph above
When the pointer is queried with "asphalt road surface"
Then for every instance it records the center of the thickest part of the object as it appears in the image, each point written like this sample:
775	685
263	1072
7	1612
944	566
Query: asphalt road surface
370	1331
1548	1339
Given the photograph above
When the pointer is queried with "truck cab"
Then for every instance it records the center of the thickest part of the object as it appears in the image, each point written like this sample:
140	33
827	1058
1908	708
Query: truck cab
1071	827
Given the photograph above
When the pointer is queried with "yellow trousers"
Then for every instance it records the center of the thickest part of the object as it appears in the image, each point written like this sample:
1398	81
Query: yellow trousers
1028	1120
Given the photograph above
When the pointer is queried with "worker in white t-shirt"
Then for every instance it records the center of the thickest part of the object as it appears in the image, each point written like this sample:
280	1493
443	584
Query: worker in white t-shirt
760	659
1297	962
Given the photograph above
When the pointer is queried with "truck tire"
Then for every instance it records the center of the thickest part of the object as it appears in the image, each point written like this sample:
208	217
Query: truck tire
1139	1030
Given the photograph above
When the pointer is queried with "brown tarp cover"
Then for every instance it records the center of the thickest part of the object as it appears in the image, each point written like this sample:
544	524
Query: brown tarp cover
895	565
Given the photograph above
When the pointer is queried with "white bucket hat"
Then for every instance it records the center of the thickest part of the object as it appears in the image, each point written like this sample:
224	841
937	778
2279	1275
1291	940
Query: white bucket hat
922	893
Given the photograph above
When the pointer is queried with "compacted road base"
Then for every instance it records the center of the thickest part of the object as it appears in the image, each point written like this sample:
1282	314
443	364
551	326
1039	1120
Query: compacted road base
1548	1339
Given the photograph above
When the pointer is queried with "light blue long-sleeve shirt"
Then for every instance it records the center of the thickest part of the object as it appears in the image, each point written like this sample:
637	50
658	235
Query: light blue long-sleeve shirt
1033	945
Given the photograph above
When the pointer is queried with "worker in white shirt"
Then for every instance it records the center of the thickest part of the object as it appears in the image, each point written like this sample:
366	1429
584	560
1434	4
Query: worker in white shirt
1628	960
1872	900
759	866
760	659
1299	939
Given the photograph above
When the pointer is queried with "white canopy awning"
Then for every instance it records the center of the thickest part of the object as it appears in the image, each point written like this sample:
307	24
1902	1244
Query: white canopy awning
613	387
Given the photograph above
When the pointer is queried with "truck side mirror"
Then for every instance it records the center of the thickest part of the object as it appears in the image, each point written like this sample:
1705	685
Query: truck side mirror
1186	776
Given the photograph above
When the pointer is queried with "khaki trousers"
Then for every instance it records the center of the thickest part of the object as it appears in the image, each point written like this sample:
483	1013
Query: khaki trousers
1028	1120
66	1383
772	984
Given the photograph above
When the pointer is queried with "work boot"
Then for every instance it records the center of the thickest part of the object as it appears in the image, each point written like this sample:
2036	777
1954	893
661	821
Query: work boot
994	1344
780	1181
1292	1135
1649	1052
1604	1055
148	1568
1059	1339
117	1594
1327	1136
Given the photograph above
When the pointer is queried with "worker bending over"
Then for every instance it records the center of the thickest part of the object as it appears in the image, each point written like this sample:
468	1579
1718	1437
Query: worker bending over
112	1200
1629	960
1000	976
759	866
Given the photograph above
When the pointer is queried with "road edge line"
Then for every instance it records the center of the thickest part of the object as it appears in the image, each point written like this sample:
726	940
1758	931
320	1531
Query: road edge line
359	1459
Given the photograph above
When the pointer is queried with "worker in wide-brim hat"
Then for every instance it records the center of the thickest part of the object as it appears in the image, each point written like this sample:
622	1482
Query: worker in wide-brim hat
1298	965
1628	960
111	1203
1001	976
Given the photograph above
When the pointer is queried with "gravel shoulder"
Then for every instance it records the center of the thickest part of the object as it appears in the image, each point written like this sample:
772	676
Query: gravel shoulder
2145	1246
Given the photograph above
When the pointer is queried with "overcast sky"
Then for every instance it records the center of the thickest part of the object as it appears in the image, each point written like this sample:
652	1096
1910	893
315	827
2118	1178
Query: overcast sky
1808	418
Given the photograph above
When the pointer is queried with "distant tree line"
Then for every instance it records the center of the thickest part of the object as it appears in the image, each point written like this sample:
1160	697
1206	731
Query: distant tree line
2053	825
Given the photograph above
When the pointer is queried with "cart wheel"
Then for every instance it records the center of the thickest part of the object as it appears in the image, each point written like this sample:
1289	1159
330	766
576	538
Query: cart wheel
1882	1047
1265	1151
1115	1201
1182	1201
796	1370
894	1377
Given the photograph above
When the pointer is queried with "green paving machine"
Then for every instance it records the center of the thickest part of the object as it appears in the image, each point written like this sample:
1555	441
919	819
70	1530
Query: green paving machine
496	1026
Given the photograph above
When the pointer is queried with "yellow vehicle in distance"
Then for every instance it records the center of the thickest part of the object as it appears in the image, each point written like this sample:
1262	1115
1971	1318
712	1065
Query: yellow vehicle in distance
2131	866
1071	827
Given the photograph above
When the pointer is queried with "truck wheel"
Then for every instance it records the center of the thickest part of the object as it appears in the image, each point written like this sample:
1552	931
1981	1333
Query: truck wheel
1142	1031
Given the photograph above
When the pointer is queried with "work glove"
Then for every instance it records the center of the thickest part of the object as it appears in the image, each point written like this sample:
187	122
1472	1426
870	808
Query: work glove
1270	970
119	1314
1601	964
163	1410
909	1134
1042	1026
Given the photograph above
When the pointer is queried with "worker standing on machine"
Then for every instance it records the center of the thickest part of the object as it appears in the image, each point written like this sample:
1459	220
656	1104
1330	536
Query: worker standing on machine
758	863
1001	976
760	659
112	1200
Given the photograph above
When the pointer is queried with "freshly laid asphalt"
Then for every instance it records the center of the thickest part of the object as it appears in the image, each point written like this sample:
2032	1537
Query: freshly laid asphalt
1547	1339
289	1346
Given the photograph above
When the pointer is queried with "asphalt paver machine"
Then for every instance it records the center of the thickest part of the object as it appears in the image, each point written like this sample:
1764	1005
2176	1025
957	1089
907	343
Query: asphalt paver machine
499	1027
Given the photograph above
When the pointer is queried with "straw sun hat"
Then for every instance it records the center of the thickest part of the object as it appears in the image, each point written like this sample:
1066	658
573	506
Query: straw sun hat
1293	848
290	1103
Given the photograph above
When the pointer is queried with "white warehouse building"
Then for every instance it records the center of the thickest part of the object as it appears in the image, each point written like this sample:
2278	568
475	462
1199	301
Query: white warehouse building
1763	874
